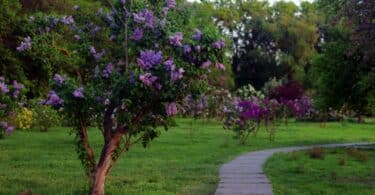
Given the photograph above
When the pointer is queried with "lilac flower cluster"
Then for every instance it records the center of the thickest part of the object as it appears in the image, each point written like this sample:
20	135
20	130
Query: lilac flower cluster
220	66
59	79
171	109
206	64
175	73
53	99
7	128
17	88
25	44
218	44
300	107
145	17
3	87
149	80
176	39
97	56
78	93
67	20
197	35
108	70
149	58
251	110
138	34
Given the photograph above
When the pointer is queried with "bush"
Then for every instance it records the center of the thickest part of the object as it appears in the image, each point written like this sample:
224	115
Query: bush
362	156
317	153
45	117
24	118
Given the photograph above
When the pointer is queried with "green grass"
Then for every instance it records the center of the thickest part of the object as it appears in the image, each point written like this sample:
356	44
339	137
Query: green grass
175	163
297	173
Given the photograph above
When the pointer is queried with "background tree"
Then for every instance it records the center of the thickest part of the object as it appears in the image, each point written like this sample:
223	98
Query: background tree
268	41
343	71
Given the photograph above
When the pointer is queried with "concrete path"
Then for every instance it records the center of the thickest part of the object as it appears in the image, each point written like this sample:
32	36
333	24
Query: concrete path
244	175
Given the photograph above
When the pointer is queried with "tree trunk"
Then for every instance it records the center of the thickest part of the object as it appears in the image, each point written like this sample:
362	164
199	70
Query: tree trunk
104	166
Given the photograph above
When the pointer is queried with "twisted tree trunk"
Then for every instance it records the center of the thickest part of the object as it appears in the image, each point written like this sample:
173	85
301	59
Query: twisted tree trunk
104	165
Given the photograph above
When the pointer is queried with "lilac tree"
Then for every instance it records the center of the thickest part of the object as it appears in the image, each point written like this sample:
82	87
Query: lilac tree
9	98
244	117
136	66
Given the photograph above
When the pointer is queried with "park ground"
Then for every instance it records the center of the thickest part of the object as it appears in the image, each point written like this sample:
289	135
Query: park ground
183	160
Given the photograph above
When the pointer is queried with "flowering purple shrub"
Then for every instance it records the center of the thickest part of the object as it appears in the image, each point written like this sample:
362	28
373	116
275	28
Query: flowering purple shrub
131	86
245	116
9	97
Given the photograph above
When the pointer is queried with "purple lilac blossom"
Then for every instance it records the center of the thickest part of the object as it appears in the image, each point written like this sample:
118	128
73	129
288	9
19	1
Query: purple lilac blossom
9	130
220	66
148	79
76	7
171	109
176	39
197	35
109	17
177	74
206	64
165	11
108	70
78	93
218	44
97	56
17	87
187	49
145	16
171	4
67	20
4	88
250	110
149	58
59	79
138	34
123	2
25	44
53	99
169	64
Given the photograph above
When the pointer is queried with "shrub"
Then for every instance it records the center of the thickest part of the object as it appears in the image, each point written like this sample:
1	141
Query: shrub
354	152
24	118
317	153
45	117
9	103
248	92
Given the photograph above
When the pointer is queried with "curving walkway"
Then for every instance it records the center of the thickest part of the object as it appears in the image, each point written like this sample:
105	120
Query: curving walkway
244	175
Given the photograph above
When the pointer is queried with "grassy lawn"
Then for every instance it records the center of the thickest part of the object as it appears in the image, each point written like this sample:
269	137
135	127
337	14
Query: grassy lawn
178	162
338	173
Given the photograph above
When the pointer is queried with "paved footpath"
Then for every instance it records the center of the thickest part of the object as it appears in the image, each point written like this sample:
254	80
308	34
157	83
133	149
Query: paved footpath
244	175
